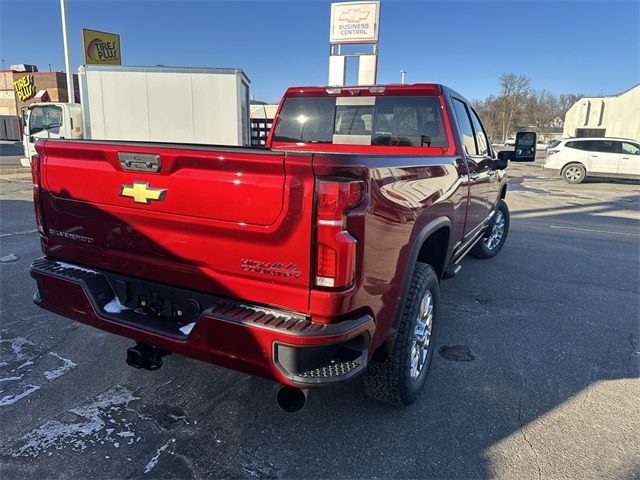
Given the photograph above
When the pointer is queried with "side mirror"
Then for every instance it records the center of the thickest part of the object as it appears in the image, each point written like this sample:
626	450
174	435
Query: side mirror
502	162
525	150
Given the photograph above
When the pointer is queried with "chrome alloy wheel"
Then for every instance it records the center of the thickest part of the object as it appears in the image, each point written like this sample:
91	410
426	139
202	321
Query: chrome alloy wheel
573	174
422	335
497	231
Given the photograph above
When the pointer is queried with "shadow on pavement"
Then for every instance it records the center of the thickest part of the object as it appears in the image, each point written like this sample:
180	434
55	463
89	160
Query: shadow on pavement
555	313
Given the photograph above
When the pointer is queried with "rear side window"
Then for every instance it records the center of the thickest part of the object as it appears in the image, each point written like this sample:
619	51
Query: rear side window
464	125
412	121
581	145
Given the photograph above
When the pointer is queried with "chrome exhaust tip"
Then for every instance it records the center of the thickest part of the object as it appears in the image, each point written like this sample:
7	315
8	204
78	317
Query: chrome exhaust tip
291	399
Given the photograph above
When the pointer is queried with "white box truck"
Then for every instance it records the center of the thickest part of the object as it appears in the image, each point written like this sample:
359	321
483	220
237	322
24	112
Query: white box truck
148	104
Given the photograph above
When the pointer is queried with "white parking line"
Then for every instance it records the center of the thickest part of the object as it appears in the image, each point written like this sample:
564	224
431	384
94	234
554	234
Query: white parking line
595	231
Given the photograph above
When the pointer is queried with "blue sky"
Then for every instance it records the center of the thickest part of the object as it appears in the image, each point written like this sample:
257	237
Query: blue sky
591	47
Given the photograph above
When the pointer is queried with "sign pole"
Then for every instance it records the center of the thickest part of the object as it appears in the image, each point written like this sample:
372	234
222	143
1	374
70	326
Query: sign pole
67	56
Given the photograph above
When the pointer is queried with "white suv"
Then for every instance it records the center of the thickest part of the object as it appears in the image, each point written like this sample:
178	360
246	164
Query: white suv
576	158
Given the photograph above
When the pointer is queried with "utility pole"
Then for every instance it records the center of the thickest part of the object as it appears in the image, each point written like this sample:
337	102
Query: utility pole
67	55
402	73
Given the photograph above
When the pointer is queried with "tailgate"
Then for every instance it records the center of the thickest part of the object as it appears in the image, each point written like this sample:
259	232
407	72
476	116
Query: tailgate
234	222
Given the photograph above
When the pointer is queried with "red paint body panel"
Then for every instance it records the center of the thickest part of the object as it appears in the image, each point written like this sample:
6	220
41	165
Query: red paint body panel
202	251
228	206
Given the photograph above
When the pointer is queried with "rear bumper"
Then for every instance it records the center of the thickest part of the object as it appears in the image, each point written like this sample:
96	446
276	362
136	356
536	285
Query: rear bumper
283	346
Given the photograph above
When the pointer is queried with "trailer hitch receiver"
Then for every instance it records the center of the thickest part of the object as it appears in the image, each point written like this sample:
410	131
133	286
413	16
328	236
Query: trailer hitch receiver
146	356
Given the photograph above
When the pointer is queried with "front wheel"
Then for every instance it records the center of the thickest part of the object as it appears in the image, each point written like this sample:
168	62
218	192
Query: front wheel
493	239
399	379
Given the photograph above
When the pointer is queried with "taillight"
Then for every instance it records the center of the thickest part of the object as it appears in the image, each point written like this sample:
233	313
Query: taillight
35	170
35	176
551	152
335	247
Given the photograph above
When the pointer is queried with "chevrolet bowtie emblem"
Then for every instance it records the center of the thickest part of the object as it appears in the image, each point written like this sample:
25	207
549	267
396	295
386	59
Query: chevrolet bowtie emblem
141	192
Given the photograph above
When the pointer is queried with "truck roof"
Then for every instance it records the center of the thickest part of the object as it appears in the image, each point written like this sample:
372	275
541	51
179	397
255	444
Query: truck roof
393	89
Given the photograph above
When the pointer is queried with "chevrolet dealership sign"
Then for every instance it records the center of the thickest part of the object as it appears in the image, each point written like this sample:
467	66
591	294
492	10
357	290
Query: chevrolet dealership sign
354	22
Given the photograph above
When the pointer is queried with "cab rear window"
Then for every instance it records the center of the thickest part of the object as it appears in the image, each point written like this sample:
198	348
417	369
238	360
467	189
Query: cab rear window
414	121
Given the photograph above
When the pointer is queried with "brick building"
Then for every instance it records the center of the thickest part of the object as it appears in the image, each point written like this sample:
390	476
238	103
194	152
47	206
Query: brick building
20	89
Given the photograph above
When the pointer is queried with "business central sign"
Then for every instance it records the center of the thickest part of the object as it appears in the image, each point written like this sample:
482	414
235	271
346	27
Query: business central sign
101	48
354	22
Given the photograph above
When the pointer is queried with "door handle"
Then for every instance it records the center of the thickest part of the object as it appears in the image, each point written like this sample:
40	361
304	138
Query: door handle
473	176
625	158
594	156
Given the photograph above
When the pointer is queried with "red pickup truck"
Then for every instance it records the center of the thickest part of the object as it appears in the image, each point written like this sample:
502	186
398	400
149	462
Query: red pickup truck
308	262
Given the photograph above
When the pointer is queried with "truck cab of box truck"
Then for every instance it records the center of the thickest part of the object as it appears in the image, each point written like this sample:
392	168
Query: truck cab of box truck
51	121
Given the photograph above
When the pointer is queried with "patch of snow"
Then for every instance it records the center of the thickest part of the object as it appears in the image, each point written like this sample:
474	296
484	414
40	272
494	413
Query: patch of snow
17	347
57	434
187	328
154	460
25	364
67	365
126	434
9	379
114	306
12	257
11	399
77	267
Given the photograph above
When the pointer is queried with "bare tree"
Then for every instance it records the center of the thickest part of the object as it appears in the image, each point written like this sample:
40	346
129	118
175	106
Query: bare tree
516	89
541	108
519	103
566	101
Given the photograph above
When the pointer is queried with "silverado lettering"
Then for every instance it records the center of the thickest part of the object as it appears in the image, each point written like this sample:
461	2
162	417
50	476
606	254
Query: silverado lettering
373	195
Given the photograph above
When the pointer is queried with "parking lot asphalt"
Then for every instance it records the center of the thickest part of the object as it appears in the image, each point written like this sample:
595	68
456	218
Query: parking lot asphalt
10	155
552	391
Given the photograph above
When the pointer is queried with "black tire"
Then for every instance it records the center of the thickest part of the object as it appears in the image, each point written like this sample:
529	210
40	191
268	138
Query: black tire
484	248
574	173
391	380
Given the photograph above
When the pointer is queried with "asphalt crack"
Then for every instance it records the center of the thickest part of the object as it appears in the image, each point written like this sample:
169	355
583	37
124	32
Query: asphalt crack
15	234
634	341
521	427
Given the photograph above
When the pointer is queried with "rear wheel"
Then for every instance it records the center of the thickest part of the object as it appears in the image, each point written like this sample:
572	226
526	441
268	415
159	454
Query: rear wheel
574	173
493	239
398	379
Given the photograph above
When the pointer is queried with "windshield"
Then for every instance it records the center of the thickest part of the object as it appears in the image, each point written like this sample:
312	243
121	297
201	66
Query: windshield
412	121
43	117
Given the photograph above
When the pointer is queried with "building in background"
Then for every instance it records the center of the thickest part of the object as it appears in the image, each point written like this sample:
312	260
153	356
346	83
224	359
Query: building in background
21	87
262	115
611	116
